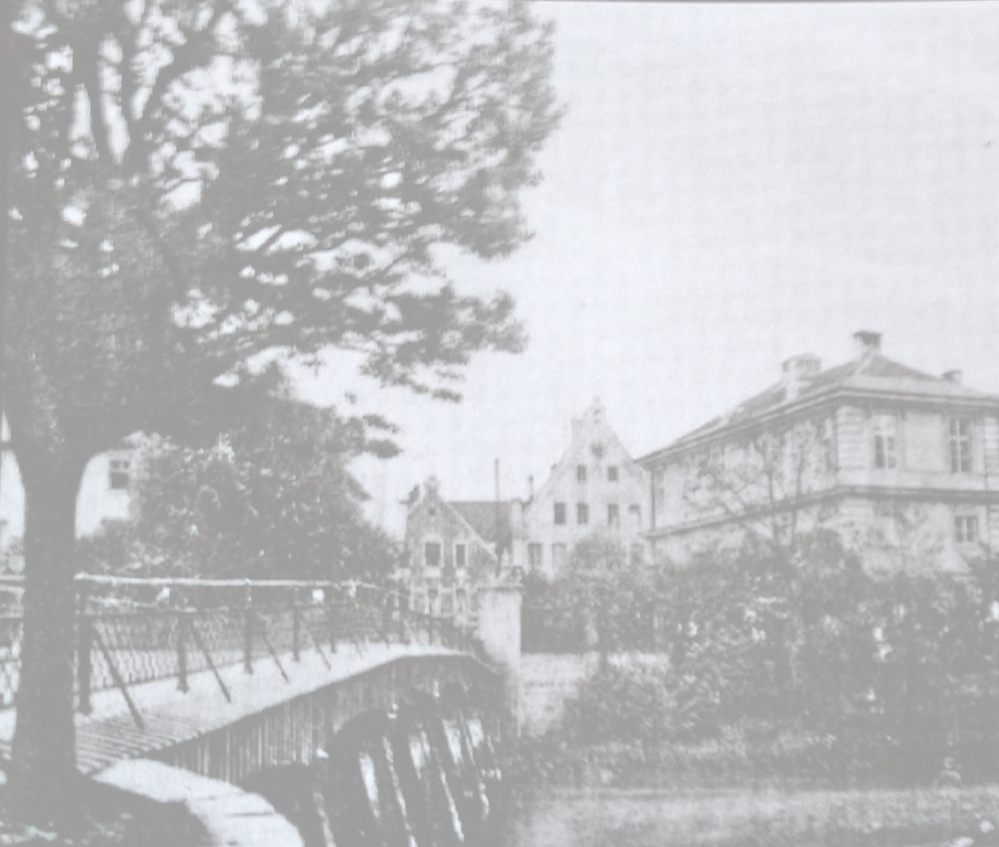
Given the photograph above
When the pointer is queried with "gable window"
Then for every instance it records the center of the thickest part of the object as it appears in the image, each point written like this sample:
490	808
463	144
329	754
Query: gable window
534	554
432	554
885	437
612	473
613	515
460	555
960	445
965	529
119	474
560	513
582	513
581	473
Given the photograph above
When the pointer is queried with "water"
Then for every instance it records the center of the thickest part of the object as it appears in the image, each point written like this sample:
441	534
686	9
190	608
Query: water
737	817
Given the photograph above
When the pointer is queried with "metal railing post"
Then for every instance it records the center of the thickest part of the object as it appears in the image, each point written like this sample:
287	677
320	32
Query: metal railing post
247	630
296	627
182	651
85	646
331	618
387	604
402	606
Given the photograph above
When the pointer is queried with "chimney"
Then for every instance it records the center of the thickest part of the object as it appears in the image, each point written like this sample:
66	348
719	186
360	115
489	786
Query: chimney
796	373
955	376
866	343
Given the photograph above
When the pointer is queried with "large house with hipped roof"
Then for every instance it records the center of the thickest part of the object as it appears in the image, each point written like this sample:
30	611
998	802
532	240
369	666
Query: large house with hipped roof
904	465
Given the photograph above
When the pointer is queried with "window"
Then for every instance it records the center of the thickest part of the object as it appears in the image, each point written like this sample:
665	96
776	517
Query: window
534	555
581	473
965	529
612	473
613	515
558	556
560	513
884	442
637	554
960	445
460	555
119	472
582	513
432	554
447	603
635	514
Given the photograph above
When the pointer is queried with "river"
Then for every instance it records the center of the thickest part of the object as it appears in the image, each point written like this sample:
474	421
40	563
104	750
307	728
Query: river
743	816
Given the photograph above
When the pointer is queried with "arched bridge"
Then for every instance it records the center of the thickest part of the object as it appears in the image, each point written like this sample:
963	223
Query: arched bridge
238	680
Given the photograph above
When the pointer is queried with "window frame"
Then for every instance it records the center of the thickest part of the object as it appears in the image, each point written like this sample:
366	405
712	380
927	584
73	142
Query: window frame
427	543
119	471
963	522
560	514
884	444
962	461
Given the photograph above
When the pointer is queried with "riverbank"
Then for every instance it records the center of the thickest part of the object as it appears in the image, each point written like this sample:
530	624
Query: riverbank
101	817
758	818
742	759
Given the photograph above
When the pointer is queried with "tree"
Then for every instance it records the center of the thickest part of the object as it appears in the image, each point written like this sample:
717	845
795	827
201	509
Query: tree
272	498
769	483
199	183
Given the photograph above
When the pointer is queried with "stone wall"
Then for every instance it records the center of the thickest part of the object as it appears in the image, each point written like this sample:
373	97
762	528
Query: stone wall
548	680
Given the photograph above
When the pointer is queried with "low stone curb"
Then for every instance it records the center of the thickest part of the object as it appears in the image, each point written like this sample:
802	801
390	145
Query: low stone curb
229	816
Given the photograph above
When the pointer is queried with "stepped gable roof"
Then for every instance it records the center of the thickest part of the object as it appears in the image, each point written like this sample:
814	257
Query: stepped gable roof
482	516
873	372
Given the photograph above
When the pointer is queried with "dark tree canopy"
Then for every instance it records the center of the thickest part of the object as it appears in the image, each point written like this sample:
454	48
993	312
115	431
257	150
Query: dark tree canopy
272	498
197	184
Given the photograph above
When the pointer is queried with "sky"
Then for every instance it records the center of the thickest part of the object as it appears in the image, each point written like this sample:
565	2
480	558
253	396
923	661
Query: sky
731	185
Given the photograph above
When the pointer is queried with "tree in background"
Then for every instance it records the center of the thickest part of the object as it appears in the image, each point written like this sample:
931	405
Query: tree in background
272	498
200	183
765	483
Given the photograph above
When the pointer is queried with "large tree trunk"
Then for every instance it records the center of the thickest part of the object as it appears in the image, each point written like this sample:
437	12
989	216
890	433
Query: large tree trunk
43	766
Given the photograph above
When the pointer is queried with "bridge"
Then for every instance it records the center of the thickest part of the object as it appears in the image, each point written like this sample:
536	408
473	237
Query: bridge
228	678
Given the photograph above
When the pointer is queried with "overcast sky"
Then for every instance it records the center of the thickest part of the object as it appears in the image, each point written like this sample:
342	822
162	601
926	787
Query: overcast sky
731	185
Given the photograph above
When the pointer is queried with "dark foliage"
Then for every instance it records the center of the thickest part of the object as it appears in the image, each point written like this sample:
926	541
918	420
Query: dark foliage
814	664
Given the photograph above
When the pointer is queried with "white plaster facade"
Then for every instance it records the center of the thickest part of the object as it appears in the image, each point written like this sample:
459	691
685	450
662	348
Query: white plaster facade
904	465
595	488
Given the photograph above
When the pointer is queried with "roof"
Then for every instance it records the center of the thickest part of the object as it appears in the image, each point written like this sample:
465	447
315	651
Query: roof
873	372
482	515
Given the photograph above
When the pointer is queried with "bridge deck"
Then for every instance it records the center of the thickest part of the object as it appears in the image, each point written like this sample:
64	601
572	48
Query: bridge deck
109	733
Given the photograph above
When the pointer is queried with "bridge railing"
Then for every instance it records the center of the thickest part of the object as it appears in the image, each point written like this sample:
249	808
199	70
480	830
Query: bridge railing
132	630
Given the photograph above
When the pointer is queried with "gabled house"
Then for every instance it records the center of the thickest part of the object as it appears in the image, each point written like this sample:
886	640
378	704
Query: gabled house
451	548
904	465
594	489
